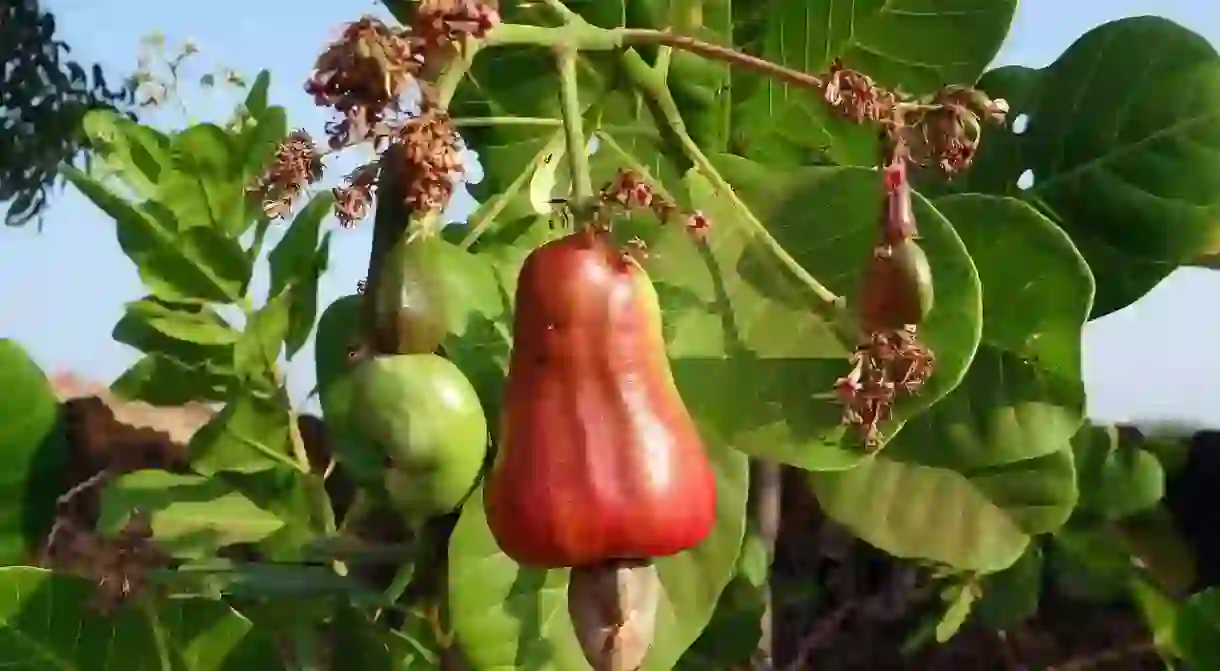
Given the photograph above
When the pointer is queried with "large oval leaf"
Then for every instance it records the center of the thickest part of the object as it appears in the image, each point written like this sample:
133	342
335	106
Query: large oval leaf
915	45
512	617
969	482
33	453
48	624
1123	146
750	353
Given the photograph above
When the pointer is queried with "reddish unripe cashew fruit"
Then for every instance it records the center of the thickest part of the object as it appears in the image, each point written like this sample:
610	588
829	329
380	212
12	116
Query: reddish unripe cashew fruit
897	288
599	459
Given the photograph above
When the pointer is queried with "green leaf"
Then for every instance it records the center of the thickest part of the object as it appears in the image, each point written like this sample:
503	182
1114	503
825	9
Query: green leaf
205	188
192	516
258	139
371	648
258	350
256	99
915	45
187	323
751	355
699	85
137	154
137	331
1116	477
1090	564
297	498
1197	632
1124	150
175	264
252	433
507	616
297	264
163	380
49	624
35	453
968	483
511	85
1011	596
1152	538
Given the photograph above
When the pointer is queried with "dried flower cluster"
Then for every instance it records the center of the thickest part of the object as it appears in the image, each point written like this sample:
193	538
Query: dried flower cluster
889	364
363	76
297	165
943	130
630	193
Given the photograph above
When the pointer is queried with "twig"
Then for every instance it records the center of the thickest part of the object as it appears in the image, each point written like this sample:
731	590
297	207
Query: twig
822	631
1105	656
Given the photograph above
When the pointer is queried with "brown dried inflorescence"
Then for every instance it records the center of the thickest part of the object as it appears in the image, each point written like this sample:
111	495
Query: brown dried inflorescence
427	158
297	165
354	200
629	193
363	76
888	365
438	23
943	130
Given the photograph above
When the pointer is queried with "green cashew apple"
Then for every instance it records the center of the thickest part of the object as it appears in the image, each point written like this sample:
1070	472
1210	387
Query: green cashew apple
338	330
424	413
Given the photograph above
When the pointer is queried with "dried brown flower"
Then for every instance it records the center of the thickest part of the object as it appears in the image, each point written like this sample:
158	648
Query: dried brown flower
353	201
425	157
297	165
363	75
438	23
854	95
698	225
888	365
944	130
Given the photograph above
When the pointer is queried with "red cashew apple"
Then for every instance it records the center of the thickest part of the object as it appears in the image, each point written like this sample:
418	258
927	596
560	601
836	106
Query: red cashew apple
599	458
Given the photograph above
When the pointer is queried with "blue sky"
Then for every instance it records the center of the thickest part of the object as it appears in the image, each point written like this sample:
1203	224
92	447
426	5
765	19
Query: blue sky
64	288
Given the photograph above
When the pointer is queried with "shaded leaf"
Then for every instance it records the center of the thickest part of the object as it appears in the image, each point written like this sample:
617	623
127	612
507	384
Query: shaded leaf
34	450
1010	597
1197	631
49	625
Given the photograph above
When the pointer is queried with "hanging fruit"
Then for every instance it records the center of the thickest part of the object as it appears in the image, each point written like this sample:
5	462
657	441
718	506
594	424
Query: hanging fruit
338	331
599	460
897	288
424	413
410	298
